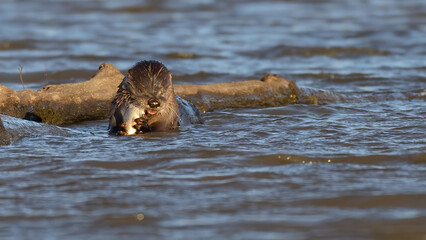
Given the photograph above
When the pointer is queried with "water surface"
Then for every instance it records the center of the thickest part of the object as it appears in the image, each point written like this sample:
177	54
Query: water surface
347	170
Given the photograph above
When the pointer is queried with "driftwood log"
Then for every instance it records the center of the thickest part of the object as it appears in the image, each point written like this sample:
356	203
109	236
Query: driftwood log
90	100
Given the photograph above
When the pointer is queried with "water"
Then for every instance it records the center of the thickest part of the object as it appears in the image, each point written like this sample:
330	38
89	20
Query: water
348	170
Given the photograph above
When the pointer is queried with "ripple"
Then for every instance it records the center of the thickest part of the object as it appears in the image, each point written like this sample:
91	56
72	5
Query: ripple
15	45
181	55
204	77
333	52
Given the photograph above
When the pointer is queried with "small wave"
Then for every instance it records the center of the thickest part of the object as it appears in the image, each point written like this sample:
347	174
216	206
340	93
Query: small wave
334	52
338	78
15	45
204	77
422	94
384	96
48	77
13	129
180	55
136	9
282	159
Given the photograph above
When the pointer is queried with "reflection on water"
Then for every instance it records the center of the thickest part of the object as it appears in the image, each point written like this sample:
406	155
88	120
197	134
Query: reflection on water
349	170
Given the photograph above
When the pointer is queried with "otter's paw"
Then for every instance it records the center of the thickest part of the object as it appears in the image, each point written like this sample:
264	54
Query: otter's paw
122	130
141	126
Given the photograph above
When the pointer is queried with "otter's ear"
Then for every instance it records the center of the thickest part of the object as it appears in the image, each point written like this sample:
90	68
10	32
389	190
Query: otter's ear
130	73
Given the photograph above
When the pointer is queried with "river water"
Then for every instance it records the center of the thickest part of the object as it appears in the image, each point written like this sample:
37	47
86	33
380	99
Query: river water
347	170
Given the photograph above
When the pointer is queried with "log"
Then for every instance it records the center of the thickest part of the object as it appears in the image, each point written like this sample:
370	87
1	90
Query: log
65	103
90	100
271	90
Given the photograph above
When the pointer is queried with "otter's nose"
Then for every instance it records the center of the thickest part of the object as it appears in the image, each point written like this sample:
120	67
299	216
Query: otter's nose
153	103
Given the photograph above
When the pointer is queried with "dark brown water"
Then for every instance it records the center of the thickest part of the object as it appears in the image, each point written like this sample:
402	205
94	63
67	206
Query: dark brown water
352	170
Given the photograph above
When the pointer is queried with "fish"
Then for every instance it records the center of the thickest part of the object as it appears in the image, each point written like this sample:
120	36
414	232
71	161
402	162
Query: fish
134	120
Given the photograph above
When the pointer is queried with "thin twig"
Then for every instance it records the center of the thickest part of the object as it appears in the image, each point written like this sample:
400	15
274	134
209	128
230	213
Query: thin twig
20	75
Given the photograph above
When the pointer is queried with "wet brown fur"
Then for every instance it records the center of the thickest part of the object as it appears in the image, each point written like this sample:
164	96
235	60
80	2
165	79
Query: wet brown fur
146	80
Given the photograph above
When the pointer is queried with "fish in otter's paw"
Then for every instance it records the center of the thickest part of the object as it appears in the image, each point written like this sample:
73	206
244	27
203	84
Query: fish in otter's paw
145	102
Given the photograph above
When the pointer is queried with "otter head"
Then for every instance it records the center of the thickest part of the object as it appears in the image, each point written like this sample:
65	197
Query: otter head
145	100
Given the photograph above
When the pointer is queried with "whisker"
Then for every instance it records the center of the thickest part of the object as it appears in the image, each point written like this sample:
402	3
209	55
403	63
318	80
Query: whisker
177	115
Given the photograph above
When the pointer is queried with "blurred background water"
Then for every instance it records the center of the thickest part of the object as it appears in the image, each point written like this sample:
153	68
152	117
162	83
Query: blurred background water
351	170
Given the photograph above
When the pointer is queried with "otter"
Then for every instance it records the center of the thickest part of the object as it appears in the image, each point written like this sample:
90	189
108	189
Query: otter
146	102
